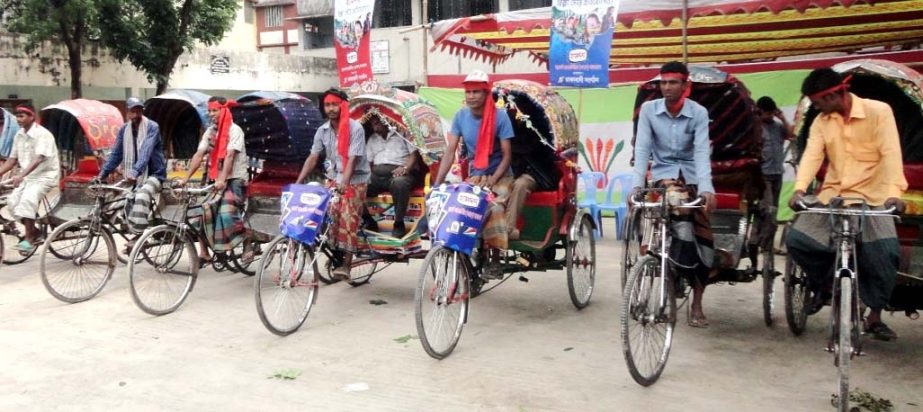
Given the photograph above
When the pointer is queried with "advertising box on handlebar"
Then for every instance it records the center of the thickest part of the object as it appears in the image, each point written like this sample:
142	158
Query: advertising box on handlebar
456	215
303	211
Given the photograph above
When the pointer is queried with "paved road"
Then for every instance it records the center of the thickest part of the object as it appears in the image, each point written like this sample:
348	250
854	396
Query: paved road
525	348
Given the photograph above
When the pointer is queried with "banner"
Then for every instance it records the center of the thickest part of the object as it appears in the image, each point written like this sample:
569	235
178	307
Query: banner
581	40
352	23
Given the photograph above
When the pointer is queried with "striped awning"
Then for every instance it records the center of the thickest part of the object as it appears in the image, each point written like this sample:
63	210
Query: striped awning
719	31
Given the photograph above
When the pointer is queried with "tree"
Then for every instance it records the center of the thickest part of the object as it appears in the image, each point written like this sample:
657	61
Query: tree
71	22
152	34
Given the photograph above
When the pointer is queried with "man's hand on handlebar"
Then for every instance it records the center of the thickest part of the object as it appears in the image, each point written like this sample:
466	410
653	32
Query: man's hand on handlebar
898	204
708	199
797	200
179	182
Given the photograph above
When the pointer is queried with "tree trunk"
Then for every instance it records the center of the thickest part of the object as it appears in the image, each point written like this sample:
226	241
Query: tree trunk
76	66
166	70
162	86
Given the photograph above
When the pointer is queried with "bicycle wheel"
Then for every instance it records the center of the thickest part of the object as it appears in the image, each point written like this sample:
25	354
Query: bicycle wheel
441	301
361	272
844	347
769	277
82	263
286	285
797	296
237	259
631	245
14	232
647	326
325	268
162	270
580	260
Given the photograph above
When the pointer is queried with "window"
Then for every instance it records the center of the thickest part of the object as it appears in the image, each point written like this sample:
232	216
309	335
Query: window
528	4
391	13
273	16
318	33
449	9
248	12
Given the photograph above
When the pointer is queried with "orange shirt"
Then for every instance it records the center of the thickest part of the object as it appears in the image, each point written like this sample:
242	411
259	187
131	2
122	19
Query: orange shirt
864	154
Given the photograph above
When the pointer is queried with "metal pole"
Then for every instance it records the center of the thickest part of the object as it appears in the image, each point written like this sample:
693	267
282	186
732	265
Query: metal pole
685	28
425	14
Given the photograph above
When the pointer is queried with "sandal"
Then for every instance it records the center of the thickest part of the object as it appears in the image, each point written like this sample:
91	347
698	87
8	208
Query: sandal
341	273
697	322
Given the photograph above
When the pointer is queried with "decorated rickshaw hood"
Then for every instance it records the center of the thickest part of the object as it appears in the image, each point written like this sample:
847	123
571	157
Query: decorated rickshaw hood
99	121
278	126
415	117
197	100
560	115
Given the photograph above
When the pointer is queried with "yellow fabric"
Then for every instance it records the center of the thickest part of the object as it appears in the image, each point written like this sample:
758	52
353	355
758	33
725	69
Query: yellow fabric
864	154
914	201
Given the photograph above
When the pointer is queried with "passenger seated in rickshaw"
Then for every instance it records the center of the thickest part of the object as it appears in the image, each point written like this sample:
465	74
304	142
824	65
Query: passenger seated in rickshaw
222	212
673	130
486	132
533	166
391	159
139	150
36	153
859	138
343	141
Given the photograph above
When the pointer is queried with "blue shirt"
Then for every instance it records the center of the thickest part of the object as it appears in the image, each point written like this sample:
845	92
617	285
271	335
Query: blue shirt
677	144
467	127
150	154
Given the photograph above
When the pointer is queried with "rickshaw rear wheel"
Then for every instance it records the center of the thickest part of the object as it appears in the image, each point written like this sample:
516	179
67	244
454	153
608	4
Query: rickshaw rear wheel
797	296
646	326
74	265
284	302
441	300
580	260
162	278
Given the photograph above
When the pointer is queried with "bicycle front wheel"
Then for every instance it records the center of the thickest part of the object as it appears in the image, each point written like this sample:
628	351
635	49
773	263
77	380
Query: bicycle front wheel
648	320
844	347
631	246
441	301
286	285
162	269
797	296
769	296
76	261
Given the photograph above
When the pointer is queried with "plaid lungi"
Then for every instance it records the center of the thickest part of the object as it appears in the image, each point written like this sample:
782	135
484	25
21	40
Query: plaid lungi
222	216
496	230
347	212
693	244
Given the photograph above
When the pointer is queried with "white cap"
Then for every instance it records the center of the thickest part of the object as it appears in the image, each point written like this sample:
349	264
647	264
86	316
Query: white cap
477	76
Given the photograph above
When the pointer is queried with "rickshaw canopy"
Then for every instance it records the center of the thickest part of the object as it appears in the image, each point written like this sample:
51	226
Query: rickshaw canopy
541	107
415	117
167	102
98	121
278	126
182	116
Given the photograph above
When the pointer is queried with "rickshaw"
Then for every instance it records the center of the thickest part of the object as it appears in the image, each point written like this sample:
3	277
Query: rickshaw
902	88
290	269
736	141
182	117
165	265
455	268
84	131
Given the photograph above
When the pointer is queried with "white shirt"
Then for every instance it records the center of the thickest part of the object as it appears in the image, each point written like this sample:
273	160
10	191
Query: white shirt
393	151
236	143
37	141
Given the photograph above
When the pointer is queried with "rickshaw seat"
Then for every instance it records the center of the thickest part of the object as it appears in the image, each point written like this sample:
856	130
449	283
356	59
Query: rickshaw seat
914	175
270	181
87	169
725	200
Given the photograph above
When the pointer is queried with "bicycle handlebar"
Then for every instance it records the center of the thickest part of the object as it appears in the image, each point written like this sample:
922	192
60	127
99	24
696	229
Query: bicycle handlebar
117	187
194	190
693	204
805	209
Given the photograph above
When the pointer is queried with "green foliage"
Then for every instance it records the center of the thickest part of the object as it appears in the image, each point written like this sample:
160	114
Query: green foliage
152	34
61	21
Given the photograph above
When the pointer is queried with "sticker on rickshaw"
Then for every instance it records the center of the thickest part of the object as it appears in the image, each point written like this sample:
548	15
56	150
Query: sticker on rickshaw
457	214
303	211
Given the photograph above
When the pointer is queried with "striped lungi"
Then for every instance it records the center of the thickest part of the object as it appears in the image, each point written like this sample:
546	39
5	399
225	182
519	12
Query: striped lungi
144	195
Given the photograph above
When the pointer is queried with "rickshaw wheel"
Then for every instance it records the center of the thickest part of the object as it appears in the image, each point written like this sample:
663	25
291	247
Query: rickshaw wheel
769	276
325	269
441	301
631	246
797	296
77	268
236	258
581	264
14	232
646	326
361	273
161	280
284	302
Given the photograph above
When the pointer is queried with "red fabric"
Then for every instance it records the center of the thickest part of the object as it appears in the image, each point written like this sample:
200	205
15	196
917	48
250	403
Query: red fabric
342	127
842	86
488	121
26	110
223	127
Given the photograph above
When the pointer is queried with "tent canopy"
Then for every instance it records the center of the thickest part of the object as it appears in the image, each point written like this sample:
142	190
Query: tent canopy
650	31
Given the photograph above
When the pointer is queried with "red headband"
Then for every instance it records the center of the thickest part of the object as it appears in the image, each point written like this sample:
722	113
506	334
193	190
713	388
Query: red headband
25	110
674	76
844	85
476	86
332	98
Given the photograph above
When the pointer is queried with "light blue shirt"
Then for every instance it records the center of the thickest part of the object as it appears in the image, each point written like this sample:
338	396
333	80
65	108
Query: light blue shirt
678	144
467	126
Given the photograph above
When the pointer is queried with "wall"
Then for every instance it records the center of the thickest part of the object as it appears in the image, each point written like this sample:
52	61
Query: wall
242	35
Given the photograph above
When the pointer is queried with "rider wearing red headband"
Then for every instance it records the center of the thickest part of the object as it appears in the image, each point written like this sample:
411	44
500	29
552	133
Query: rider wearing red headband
672	136
223	143
36	154
485	131
859	139
343	142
